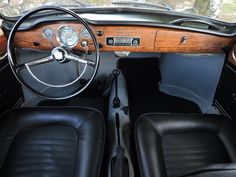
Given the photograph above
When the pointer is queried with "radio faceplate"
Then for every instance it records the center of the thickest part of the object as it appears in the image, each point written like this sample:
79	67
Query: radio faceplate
123	41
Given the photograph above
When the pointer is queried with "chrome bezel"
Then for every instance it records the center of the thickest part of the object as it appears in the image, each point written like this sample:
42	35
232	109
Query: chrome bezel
44	33
82	33
59	39
124	37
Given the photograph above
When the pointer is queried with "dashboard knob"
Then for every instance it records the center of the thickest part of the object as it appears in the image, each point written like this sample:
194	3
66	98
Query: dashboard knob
84	44
135	42
110	42
100	45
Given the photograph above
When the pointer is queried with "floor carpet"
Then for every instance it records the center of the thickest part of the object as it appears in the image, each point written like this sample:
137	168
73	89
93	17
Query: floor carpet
143	77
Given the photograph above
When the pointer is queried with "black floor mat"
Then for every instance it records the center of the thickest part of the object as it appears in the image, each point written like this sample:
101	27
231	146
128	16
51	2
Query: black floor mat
143	77
91	97
98	102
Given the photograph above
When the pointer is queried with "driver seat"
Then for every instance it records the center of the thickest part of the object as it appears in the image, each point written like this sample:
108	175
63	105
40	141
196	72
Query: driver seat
51	142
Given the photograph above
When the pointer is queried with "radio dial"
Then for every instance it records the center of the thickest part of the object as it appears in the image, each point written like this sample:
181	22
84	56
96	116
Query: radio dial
135	42
123	41
110	41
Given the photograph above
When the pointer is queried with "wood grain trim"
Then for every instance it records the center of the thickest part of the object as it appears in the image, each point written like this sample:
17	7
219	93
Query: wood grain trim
153	39
3	43
232	55
146	35
190	42
29	39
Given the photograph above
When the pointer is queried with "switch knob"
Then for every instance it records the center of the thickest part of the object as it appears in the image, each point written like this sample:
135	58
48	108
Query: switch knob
84	44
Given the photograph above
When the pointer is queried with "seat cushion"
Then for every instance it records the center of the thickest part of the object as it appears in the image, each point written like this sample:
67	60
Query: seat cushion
52	142
218	170
171	145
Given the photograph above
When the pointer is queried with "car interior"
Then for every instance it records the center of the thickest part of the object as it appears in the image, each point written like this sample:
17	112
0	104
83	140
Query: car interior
117	92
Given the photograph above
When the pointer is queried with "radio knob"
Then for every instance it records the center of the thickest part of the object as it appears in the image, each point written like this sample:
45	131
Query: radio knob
110	42
135	42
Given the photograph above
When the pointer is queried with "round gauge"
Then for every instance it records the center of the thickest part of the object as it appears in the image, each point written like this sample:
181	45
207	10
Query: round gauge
67	36
85	33
48	33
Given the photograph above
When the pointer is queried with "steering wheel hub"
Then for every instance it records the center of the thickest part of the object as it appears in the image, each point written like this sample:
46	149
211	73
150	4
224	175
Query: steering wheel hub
59	54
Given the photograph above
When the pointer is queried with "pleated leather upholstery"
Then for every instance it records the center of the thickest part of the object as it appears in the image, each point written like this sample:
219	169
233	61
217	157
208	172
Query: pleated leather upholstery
171	145
217	170
188	151
51	142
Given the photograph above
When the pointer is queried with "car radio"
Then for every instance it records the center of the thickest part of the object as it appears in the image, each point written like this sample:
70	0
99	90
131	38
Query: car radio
123	41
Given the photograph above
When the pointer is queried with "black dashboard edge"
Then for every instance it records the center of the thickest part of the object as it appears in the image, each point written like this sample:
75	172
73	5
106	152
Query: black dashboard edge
228	29
7	27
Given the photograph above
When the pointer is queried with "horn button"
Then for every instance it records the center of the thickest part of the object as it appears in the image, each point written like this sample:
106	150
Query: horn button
59	54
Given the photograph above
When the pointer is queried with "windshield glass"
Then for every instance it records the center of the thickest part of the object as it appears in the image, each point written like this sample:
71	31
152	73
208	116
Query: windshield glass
224	10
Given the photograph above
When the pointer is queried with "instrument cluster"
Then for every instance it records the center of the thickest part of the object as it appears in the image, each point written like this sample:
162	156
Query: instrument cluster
67	36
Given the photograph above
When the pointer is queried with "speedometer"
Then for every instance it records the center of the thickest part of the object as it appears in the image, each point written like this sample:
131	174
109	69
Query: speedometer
67	36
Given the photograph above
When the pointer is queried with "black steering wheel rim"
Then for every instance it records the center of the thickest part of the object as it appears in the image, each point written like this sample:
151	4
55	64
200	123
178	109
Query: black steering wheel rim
11	57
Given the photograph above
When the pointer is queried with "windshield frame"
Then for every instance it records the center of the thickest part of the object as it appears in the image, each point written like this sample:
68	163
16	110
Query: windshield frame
100	9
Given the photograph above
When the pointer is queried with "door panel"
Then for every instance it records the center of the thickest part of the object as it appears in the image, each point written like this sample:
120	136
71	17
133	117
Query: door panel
10	89
225	98
226	94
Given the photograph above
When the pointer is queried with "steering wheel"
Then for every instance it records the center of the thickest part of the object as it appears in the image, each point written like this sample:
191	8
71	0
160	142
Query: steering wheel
59	54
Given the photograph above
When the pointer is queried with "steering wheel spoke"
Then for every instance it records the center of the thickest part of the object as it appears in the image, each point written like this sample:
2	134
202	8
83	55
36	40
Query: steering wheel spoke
34	63
80	60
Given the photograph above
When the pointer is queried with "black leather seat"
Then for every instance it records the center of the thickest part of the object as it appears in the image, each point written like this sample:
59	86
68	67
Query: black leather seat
172	145
51	142
218	170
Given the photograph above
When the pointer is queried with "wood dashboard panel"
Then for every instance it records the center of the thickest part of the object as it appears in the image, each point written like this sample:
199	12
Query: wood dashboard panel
152	39
3	43
189	42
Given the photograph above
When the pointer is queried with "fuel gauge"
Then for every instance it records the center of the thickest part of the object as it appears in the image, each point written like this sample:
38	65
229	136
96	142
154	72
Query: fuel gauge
48	33
85	34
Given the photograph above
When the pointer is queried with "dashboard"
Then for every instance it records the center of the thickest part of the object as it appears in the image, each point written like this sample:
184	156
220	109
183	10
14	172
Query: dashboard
132	38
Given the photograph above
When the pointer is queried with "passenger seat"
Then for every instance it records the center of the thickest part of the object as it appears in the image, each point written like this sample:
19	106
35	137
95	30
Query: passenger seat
173	145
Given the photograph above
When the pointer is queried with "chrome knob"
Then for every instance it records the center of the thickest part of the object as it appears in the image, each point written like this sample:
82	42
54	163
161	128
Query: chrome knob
84	44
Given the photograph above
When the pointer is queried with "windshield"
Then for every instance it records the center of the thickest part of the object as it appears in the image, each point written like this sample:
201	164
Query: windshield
224	10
